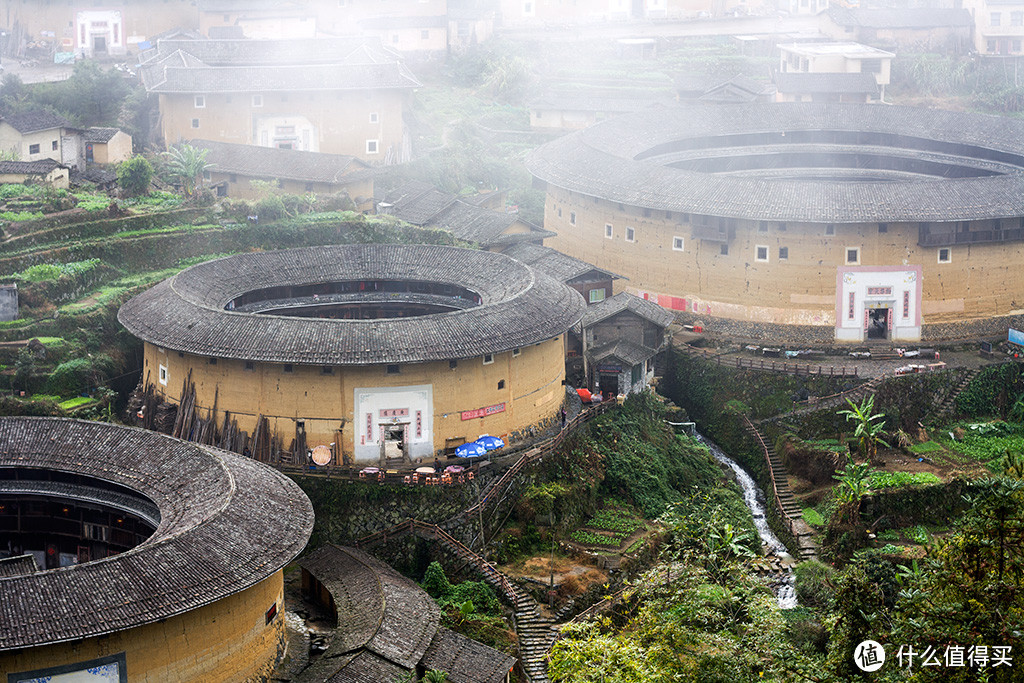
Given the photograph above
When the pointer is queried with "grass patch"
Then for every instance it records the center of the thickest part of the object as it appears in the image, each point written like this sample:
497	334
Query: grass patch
812	517
615	519
587	537
926	447
894	480
76	402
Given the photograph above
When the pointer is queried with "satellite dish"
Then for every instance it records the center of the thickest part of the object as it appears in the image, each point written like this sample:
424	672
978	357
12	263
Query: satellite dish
321	455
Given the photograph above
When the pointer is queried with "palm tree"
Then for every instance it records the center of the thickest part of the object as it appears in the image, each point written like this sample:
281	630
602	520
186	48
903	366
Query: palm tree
187	164
869	426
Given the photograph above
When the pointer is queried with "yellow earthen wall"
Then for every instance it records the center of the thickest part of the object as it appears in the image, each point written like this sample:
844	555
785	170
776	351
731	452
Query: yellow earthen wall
981	281
341	118
533	391
241	188
226	641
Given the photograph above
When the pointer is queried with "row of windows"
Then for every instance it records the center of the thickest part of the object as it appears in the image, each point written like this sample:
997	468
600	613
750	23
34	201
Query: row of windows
609	232
199	102
1016	19
34	149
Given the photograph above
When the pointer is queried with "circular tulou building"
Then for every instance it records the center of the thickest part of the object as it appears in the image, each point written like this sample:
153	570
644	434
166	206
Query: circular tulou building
384	350
800	221
134	556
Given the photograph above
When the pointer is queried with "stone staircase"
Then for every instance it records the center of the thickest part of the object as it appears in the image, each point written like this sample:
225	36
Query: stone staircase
834	401
946	404
790	510
537	634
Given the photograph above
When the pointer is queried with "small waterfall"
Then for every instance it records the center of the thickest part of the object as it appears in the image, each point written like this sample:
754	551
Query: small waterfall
754	498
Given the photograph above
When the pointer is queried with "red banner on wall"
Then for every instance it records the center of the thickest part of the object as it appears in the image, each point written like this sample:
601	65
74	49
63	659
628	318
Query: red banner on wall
483	412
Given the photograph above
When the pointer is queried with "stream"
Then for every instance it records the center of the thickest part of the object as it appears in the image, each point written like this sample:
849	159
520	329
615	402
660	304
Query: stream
755	500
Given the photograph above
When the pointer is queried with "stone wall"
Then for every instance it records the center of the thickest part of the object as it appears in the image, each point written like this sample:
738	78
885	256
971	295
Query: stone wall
8	302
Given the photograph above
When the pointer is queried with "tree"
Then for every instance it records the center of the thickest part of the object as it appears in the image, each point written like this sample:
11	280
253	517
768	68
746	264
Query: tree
869	426
185	165
133	176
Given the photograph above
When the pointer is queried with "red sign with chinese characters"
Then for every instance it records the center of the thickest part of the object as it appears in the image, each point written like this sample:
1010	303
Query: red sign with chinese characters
483	412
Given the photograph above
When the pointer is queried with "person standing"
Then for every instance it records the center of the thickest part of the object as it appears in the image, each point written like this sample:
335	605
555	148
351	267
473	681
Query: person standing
563	417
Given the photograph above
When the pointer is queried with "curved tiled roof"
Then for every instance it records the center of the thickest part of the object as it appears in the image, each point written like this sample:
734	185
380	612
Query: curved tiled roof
519	307
226	523
613	160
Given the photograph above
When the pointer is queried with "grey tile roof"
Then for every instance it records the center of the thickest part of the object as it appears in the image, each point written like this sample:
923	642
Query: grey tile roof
624	301
290	164
556	264
902	18
19	565
387	625
519	307
36	120
626	351
284	51
796	82
424	205
405	21
465	660
99	134
40	167
227	522
609	161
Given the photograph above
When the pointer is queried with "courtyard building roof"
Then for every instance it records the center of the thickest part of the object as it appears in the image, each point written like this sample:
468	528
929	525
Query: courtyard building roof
225	523
636	160
517	307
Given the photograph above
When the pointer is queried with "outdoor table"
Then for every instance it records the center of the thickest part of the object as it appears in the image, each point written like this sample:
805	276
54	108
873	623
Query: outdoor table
425	470
454	469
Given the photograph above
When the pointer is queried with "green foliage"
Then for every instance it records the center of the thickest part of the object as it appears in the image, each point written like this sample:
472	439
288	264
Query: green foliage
50	271
813	579
853	481
184	165
133	176
926	447
812	517
869	425
644	461
615	519
993	392
587	537
435	581
78	375
540	498
270	208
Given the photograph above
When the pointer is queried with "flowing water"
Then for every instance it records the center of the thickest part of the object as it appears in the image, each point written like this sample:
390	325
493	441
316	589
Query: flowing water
755	500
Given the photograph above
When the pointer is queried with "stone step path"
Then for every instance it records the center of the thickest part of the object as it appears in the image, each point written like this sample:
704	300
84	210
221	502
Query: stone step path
834	401
790	510
537	633
946	405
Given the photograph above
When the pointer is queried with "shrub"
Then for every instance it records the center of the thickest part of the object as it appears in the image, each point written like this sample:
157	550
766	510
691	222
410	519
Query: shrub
435	581
75	376
812	583
270	208
133	176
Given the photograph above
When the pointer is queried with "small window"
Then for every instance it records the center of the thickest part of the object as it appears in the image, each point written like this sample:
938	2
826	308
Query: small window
608	230
488	358
597	295
572	218
308	187
53	145
501	384
783	253
630	235
371	146
647	213
852	255
782	227
394	369
195	123
830	229
677	243
249	365
995	18
257	100
761	253
327	370
452	364
181	354
200	101
883	227
394	39
211	361
233	178
945	255
289	367
724	250
762	226
163	375
559	212
33	149
516	353
424	34
373	117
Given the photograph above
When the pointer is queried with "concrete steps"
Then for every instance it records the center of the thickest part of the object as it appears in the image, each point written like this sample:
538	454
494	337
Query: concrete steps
536	634
947	404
